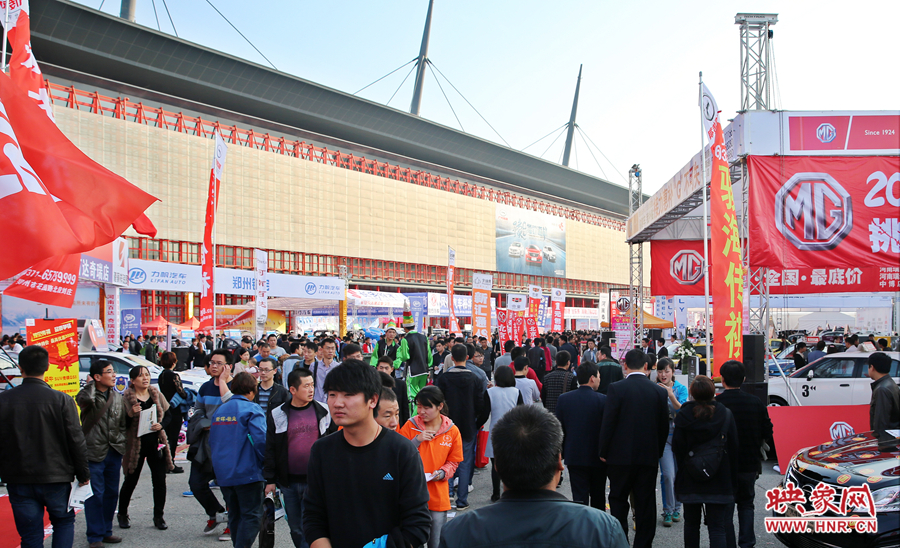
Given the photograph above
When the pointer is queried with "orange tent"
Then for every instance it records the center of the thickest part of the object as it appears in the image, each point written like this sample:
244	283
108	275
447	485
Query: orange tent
650	322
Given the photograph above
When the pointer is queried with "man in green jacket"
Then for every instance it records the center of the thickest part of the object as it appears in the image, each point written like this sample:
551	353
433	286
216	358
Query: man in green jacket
385	347
416	352
103	422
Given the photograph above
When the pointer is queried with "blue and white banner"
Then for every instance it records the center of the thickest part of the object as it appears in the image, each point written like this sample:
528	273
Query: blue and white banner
160	276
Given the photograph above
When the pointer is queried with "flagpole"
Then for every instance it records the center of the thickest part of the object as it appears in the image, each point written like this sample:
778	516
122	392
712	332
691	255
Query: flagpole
5	34
215	183
705	180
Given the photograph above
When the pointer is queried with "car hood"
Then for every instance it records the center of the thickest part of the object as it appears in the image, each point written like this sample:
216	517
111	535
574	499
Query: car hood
863	456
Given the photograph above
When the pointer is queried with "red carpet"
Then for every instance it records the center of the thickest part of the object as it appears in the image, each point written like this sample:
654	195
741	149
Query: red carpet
9	537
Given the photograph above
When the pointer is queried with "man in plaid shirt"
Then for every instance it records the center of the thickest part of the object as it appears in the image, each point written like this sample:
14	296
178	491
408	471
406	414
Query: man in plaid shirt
559	381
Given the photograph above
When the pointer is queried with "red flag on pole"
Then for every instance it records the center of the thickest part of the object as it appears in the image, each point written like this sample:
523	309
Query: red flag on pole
56	200
207	251
727	274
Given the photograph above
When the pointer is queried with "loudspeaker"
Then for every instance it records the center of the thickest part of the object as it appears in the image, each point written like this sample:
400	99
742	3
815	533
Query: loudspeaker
654	334
605	336
754	358
758	389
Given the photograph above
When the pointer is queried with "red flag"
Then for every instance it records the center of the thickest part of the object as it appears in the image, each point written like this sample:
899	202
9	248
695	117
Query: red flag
207	252
55	199
52	281
23	67
727	275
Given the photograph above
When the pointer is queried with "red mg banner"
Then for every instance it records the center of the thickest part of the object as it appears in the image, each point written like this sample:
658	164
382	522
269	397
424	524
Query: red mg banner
677	269
824	212
799	427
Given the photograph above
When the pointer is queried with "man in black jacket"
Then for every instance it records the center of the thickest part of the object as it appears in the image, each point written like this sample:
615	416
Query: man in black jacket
39	469
365	482
661	350
632	440
610	370
530	512
291	429
466	400
536	358
558	382
754	427
581	414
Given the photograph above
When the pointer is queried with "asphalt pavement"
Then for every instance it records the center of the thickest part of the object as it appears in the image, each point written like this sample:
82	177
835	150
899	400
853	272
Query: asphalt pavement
186	518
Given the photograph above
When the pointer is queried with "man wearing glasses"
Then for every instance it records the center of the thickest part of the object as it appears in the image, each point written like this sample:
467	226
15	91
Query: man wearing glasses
270	394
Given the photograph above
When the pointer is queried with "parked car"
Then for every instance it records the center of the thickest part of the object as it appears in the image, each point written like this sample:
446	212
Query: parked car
859	459
9	372
516	249
549	254
836	379
533	255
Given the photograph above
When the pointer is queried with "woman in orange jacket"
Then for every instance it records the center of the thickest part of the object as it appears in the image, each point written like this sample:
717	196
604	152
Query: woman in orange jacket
440	446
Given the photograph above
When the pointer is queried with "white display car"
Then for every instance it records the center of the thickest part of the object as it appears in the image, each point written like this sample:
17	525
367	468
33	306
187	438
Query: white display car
836	379
123	362
516	249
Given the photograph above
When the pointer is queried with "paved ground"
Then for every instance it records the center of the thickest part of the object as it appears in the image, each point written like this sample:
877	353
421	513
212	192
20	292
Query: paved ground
186	518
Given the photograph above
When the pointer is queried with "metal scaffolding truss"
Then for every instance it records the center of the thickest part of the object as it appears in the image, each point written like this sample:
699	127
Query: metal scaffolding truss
636	260
755	35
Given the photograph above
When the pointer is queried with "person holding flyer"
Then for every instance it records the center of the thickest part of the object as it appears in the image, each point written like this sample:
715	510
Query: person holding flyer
440	446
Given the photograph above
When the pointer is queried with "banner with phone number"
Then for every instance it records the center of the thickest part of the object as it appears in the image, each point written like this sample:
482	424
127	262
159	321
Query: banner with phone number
60	338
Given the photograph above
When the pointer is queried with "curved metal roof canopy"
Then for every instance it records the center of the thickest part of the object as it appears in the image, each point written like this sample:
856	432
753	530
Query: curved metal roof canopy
85	40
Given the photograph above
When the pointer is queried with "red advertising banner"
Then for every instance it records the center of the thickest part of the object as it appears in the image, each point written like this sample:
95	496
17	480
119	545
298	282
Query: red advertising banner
677	269
502	317
727	283
60	338
481	304
207	315
531	328
557	310
52	281
845	132
451	274
518	325
797	428
844	209
534	301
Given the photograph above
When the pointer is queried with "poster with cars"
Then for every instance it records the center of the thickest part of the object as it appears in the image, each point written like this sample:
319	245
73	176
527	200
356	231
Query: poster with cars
529	242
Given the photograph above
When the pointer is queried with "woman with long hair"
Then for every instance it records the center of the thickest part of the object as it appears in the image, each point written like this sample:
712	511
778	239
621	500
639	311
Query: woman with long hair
504	396
440	446
677	394
141	396
170	385
705	427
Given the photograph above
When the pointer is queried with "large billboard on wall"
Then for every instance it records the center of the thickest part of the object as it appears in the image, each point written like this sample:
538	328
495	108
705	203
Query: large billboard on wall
824	212
529	242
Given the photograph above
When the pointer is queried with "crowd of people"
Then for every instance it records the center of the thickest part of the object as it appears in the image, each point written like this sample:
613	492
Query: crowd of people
381	450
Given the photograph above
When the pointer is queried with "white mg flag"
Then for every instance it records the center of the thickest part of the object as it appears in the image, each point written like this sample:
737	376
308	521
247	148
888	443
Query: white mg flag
709	112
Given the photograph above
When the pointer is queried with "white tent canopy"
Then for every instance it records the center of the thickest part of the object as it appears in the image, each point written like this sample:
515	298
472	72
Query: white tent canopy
356	299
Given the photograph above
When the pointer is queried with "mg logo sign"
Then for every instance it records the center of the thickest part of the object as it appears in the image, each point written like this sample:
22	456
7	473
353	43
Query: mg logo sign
826	133
813	211
840	430
623	304
686	267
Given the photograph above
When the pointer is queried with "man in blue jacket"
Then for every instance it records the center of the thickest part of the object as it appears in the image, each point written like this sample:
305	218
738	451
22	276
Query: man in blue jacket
581	414
237	439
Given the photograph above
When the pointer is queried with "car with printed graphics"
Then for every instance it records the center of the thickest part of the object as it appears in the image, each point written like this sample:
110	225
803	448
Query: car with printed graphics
836	379
516	249
533	255
858	462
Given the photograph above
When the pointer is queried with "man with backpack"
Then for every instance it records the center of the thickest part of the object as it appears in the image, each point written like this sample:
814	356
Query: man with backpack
754	425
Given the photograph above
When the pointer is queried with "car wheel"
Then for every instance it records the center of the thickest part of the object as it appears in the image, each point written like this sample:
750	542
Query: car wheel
775	401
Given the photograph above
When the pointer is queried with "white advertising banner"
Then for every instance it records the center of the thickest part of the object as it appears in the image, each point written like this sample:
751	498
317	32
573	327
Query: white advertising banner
516	302
159	276
261	296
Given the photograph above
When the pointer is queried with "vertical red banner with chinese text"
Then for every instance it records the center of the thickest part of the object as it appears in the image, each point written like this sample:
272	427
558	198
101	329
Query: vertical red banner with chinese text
557	310
206	316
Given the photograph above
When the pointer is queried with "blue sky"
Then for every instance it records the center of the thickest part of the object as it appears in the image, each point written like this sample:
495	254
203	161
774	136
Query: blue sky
517	62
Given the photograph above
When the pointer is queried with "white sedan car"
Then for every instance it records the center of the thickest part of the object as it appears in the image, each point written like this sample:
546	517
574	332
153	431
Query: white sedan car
516	249
123	362
836	379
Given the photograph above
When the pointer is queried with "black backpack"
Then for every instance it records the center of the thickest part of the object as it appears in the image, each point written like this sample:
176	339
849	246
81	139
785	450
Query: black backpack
703	461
